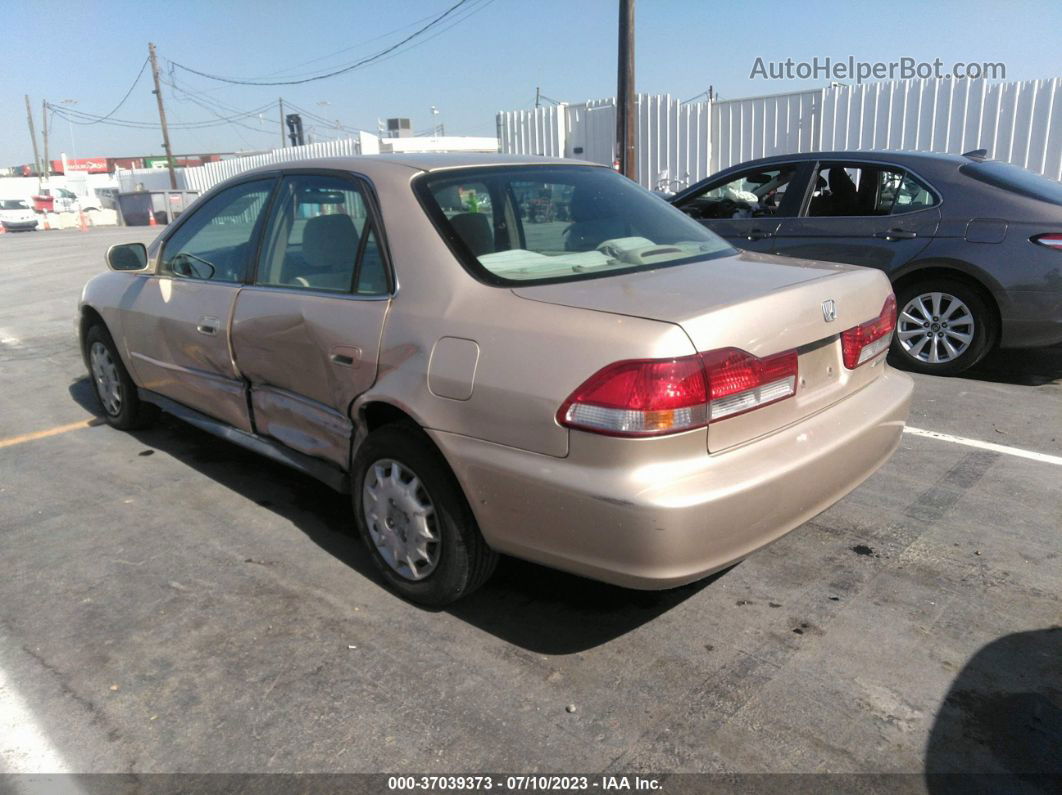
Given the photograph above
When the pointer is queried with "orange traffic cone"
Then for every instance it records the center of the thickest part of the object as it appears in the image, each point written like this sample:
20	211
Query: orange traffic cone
47	227
3	229
151	218
82	221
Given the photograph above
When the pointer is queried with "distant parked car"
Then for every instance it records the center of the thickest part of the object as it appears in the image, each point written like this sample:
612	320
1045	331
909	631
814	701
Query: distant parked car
618	393
17	216
973	246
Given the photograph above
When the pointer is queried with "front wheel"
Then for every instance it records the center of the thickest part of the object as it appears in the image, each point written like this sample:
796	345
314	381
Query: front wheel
942	328
412	515
115	390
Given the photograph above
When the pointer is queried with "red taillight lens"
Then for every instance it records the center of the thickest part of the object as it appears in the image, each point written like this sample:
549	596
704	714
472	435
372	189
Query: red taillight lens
1051	241
652	397
867	340
739	381
640	397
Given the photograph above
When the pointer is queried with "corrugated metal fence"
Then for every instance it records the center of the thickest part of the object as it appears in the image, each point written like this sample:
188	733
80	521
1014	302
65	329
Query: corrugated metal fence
202	178
680	143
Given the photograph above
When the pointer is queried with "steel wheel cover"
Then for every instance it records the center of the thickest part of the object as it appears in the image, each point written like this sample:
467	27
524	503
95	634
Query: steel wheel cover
401	519
935	328
105	376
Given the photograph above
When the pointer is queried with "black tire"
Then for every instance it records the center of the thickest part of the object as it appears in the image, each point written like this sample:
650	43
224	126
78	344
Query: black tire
130	412
463	561
983	331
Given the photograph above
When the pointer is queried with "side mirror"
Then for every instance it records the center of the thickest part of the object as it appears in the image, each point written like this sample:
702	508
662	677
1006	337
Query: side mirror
127	257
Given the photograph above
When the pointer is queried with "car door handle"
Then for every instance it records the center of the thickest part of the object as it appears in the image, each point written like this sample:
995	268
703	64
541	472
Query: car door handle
207	325
758	234
897	234
345	356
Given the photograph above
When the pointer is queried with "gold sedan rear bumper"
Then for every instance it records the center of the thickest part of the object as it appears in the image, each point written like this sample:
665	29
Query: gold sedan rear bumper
658	513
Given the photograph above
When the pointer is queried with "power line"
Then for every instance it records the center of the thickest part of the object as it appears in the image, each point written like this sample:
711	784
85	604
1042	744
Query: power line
357	64
139	74
346	49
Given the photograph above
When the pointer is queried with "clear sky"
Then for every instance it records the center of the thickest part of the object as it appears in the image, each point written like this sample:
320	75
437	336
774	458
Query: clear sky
88	53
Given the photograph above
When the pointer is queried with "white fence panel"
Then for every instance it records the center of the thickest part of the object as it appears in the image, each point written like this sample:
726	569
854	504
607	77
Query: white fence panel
540	131
744	129
203	178
1019	122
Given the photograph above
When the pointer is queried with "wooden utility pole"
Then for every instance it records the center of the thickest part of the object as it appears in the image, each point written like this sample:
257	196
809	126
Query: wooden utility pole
162	115
283	124
44	138
33	137
625	128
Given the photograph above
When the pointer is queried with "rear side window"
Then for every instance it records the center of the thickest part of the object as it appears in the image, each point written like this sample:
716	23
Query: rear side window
541	224
319	234
866	189
1014	179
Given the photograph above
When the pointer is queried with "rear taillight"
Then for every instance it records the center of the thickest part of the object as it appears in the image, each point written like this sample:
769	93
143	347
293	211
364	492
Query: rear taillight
1051	241
653	397
867	340
640	397
739	382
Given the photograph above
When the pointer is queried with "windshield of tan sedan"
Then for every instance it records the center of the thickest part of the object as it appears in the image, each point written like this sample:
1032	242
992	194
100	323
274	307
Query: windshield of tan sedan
556	223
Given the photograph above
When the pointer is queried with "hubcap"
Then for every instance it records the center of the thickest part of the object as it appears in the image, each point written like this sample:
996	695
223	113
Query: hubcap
105	375
935	328
401	519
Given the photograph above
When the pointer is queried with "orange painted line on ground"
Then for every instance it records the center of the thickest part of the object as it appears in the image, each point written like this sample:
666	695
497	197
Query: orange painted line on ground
58	429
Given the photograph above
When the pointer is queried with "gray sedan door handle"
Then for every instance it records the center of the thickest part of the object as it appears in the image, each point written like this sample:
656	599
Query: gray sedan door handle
758	234
208	325
898	234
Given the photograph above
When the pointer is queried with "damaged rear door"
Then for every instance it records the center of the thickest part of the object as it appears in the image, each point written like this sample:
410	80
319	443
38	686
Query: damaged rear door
306	333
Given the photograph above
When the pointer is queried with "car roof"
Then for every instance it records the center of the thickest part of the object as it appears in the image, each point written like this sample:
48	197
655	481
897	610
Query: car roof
399	165
863	154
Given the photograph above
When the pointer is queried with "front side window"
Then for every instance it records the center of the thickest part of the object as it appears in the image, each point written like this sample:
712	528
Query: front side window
559	223
217	242
752	194
319	234
866	189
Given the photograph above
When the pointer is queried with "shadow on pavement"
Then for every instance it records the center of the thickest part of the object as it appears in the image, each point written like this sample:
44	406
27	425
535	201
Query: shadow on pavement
539	609
1000	726
1023	367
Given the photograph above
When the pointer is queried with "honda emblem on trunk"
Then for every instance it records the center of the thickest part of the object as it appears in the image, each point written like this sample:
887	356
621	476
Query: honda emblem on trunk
829	310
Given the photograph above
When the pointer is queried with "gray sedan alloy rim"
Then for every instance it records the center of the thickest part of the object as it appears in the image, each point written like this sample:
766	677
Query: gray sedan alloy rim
935	328
105	374
401	519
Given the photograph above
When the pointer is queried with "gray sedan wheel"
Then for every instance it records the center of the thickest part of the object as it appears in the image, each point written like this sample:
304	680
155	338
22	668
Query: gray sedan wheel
942	327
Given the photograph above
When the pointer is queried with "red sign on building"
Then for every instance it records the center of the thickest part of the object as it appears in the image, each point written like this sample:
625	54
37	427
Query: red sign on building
89	165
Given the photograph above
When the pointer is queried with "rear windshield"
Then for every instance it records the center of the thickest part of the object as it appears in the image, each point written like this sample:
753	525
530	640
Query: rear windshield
13	204
544	224
1015	179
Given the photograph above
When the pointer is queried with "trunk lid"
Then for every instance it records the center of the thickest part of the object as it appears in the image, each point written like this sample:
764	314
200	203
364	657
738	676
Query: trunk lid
758	303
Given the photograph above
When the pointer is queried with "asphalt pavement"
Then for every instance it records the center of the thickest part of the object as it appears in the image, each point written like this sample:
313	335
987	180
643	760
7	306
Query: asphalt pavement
171	603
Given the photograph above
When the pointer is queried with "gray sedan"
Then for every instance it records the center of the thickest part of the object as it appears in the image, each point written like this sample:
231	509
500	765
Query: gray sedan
973	246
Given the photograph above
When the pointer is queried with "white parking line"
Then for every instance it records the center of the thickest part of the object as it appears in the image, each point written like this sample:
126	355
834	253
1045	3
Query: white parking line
24	747
1043	458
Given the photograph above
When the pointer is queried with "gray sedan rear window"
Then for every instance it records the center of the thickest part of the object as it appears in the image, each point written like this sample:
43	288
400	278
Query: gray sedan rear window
1015	179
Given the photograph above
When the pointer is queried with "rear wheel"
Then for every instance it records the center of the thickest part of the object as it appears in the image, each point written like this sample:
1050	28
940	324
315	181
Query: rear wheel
114	389
943	327
413	517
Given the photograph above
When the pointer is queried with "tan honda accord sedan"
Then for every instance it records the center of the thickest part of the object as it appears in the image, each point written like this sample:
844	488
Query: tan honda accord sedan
505	355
